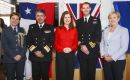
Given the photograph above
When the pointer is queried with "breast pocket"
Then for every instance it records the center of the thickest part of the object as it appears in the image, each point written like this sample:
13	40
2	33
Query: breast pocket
116	38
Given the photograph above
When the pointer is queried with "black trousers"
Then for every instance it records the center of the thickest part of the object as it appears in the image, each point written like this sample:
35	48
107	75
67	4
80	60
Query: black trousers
65	66
114	70
15	69
40	70
87	66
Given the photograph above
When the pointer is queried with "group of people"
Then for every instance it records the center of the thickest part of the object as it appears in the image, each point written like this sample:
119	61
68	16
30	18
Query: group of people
86	38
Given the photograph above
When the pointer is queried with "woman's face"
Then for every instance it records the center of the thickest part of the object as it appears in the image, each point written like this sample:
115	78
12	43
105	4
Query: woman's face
113	19
67	19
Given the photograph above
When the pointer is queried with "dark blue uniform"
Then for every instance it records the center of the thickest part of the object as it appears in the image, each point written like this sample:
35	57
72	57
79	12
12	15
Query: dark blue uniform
40	39
89	32
14	44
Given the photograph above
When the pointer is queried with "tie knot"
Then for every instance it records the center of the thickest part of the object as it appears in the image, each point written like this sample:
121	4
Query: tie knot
85	19
40	26
15	30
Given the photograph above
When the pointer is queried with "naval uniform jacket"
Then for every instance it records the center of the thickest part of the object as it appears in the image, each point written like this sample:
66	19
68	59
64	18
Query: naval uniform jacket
11	44
40	39
89	32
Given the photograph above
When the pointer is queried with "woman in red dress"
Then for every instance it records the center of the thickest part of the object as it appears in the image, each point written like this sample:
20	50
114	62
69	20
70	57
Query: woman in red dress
65	44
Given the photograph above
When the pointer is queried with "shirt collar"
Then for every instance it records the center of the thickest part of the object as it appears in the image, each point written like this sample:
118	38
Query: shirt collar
87	17
41	24
15	27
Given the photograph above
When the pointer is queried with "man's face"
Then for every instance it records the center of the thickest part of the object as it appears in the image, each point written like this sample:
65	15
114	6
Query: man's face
86	9
14	20
40	17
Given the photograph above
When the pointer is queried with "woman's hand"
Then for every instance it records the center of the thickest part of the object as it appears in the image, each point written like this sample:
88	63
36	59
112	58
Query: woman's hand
108	58
67	50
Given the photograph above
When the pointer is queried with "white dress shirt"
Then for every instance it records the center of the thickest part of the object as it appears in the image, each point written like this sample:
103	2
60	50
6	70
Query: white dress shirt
15	28
86	17
41	25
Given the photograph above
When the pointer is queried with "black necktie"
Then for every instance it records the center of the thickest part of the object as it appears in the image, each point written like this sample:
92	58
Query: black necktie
40	26
15	30
86	20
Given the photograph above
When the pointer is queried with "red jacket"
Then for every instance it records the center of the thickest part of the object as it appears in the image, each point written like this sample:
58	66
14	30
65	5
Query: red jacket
65	38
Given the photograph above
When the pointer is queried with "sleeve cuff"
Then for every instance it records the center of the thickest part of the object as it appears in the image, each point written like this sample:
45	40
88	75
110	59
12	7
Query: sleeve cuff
114	58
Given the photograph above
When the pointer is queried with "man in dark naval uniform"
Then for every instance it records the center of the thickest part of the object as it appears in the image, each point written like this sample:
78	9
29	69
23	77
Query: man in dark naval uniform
89	29
40	41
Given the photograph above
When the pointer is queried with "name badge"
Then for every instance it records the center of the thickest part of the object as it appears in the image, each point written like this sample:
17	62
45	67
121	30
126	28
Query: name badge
47	31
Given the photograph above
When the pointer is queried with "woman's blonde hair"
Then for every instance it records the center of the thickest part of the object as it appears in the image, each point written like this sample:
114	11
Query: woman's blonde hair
116	13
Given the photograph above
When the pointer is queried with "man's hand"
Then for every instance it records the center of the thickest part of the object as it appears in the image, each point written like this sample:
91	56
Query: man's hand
84	49
18	57
39	54
67	50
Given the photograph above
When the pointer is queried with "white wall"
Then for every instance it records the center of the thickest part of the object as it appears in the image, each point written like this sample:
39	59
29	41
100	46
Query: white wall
6	20
7	1
106	8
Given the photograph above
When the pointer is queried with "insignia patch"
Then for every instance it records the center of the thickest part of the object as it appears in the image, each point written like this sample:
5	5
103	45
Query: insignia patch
32	48
92	44
46	48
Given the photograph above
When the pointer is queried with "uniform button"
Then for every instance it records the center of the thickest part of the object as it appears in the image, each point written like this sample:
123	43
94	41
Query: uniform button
36	38
16	44
89	38
82	34
36	42
82	38
16	49
16	40
89	35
